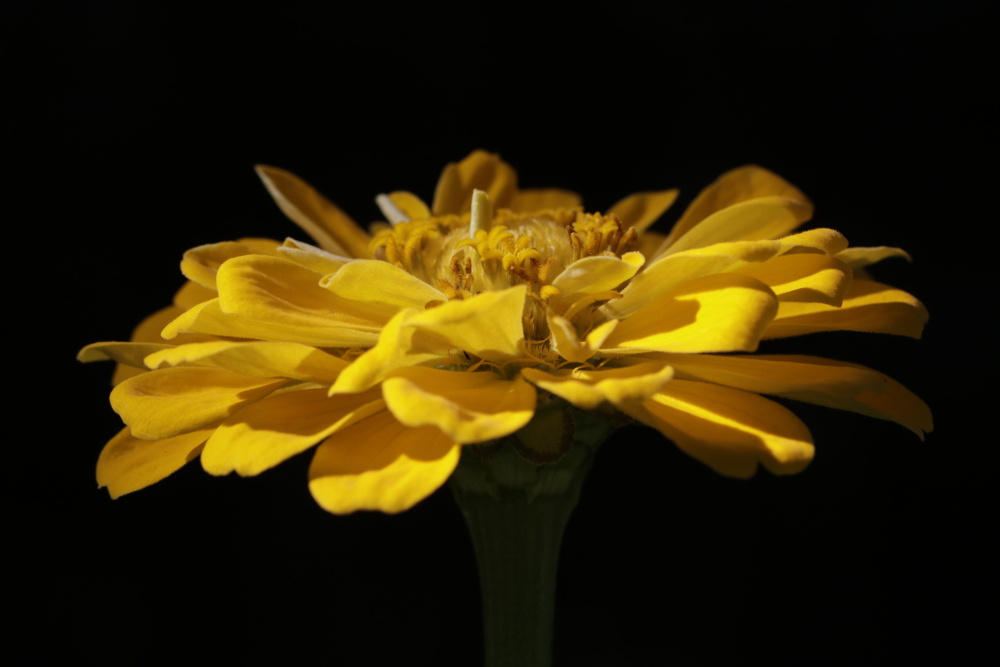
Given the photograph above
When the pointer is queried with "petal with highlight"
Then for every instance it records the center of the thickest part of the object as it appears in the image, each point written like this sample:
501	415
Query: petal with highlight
380	288
255	359
468	407
588	388
487	325
729	430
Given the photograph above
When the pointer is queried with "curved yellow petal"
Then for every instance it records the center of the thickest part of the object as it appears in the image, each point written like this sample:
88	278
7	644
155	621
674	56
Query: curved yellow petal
201	264
412	206
479	171
726	312
278	427
868	306
729	430
380	288
642	209
255	359
208	318
763	218
591	275
541	199
825	240
567	343
127	464
810	277
736	186
130	354
380	464
394	349
329	226
587	389
311	257
487	325
858	258
190	295
171	401
468	407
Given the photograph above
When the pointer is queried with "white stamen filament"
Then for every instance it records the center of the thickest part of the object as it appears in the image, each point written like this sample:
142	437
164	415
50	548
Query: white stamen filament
391	212
482	213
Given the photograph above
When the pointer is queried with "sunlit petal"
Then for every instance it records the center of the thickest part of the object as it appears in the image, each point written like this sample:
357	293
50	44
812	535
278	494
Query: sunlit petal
255	359
380	288
587	389
487	325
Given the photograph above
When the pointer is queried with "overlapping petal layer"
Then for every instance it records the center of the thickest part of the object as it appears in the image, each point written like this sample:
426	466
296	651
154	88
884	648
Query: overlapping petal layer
452	325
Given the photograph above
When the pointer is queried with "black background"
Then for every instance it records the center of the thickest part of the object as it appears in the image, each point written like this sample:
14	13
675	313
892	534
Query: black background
133	129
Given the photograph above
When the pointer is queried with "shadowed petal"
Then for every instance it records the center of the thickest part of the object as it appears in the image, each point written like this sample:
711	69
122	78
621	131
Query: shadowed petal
127	464
642	209
479	171
729	430
469	407
380	464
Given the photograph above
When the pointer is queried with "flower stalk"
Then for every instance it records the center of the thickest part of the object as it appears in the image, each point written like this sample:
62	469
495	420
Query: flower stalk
517	510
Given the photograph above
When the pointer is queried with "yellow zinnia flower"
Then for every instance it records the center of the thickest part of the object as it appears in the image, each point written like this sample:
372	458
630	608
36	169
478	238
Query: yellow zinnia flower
458	323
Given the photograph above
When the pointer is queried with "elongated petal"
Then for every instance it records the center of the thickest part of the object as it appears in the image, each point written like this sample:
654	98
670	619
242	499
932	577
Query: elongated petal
528	201
587	389
468	407
148	331
201	264
487	325
278	292
479	171
311	257
825	240
858	258
410	204
591	275
380	464
734	187
395	349
208	318
729	430
127	464
171	401
642	209
278	427
380	288
131	354
718	313
763	218
329	226
255	359
868	306
809	277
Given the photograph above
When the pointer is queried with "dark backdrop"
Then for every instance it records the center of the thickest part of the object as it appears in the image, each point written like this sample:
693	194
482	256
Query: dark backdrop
133	130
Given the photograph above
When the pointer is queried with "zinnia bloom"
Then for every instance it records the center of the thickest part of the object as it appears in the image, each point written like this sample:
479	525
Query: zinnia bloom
491	314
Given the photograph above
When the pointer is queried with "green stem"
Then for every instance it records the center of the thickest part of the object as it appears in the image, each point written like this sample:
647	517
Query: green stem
517	510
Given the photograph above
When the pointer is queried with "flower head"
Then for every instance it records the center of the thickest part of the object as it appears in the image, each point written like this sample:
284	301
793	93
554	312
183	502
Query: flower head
491	314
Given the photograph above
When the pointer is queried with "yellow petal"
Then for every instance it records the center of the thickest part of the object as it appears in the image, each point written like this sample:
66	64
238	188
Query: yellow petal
127	464
736	186
255	359
190	295
278	427
487	325
868	306
468	407
394	349
587	389
171	401
380	464
410	204
131	354
803	277
567	343
763	218
592	275
858	258
330	227
729	430
201	264
825	240
311	257
380	288
208	318
642	209
479	171
531	200
718	313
